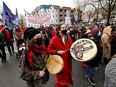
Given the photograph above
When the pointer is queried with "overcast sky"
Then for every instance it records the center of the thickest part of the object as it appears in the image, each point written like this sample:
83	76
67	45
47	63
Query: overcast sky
30	5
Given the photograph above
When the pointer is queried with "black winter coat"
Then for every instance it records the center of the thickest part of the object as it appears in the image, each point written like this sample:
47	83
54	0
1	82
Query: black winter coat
95	61
1	39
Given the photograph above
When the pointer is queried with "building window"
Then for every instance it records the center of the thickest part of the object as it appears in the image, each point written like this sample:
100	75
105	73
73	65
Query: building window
68	13
52	11
56	20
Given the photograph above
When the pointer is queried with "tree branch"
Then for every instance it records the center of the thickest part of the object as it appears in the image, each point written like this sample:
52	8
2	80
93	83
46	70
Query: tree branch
102	6
113	5
112	1
107	1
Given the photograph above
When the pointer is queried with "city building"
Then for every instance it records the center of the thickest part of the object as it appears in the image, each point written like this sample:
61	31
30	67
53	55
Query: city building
1	18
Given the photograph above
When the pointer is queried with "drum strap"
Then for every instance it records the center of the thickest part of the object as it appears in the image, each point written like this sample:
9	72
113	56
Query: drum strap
108	35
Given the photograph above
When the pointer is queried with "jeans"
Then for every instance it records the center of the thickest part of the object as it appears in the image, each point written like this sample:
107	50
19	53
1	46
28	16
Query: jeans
90	71
10	46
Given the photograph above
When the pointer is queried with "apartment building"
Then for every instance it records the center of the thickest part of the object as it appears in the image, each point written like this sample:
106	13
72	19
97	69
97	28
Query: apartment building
1	18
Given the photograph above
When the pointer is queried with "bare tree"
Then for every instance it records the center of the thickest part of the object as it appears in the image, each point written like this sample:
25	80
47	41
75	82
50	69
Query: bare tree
86	5
108	6
89	11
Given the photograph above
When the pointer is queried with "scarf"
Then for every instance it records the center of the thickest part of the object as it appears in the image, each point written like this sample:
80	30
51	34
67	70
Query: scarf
35	49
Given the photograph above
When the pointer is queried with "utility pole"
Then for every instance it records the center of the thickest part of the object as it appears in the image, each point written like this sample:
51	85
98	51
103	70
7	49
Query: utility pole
76	11
97	10
97	13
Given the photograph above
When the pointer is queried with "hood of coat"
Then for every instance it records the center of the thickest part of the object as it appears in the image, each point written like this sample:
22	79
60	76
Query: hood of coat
107	30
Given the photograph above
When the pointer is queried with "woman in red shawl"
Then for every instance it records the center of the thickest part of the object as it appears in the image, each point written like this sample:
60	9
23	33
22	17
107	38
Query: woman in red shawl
59	45
36	54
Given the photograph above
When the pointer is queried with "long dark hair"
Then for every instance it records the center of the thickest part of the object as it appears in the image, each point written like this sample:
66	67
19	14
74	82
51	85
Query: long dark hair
58	28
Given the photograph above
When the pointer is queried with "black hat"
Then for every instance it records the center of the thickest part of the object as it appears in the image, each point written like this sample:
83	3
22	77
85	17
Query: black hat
30	33
113	28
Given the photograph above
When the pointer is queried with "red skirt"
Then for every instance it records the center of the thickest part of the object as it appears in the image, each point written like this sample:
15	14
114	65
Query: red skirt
63	80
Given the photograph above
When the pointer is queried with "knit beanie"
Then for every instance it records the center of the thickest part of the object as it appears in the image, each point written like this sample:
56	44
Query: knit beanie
30	33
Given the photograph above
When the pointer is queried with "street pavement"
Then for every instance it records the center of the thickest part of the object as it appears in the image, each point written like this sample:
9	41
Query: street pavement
9	74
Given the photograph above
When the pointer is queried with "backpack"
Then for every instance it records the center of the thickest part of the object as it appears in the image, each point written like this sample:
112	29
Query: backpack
27	74
24	70
113	44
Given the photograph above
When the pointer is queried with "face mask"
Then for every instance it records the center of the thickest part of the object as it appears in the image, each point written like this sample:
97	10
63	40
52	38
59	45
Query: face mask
64	32
99	34
38	41
6	28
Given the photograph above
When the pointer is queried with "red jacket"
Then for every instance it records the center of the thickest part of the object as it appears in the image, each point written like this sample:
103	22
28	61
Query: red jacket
56	44
23	29
1	28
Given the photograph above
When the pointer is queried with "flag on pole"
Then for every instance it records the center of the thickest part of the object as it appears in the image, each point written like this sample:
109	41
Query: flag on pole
8	16
16	20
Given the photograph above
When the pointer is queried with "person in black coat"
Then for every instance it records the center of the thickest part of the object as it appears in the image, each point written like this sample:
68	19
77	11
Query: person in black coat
2	48
113	41
8	38
92	64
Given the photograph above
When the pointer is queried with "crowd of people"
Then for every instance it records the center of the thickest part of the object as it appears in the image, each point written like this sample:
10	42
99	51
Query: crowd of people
55	40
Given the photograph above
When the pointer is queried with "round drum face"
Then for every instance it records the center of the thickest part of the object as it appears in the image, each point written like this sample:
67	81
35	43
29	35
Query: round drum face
83	50
54	64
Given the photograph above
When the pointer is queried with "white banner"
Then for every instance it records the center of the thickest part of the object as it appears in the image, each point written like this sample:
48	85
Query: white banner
68	21
37	21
